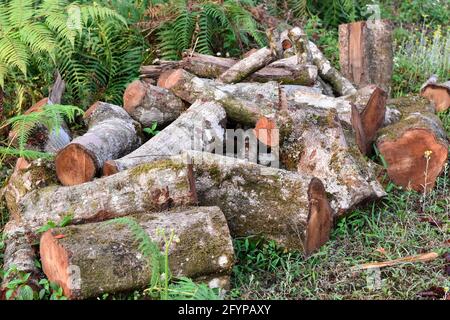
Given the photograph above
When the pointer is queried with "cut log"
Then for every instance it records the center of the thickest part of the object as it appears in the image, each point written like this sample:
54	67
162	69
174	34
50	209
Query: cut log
416	147
201	127
26	177
147	104
314	142
438	93
147	188
263	201
247	66
40	138
366	53
112	133
92	259
19	255
341	85
155	70
369	100
320	217
190	88
206	66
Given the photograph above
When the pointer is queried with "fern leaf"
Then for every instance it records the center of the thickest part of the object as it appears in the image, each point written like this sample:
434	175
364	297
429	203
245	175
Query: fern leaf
204	37
20	12
39	38
3	71
14	52
25	153
149	248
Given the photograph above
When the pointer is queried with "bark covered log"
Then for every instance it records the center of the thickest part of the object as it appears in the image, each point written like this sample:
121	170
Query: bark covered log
299	39
107	257
368	96
26	177
438	93
258	200
247	66
206	66
314	142
147	104
366	53
146	188
341	85
19	255
238	108
416	147
155	70
112	133
201	127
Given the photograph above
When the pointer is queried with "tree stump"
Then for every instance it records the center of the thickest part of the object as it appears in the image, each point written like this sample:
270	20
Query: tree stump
366	53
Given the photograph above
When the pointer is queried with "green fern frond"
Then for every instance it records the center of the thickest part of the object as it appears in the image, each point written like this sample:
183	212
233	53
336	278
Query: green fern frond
13	52
148	248
25	153
51	116
204	37
98	13
39	38
168	43
20	12
186	289
3	72
244	22
57	22
184	28
299	8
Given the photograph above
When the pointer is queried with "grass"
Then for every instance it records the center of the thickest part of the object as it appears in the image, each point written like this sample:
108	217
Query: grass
418	55
392	228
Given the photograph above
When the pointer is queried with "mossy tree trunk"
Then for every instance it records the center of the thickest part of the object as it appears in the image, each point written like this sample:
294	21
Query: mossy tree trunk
26	177
248	65
206	66
263	201
314	142
95	258
236	104
147	188
19	254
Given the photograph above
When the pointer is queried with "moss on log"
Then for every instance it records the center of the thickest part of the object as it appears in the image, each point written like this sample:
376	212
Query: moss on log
95	258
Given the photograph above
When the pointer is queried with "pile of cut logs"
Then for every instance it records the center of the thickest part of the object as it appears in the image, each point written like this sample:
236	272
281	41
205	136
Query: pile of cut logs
313	131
